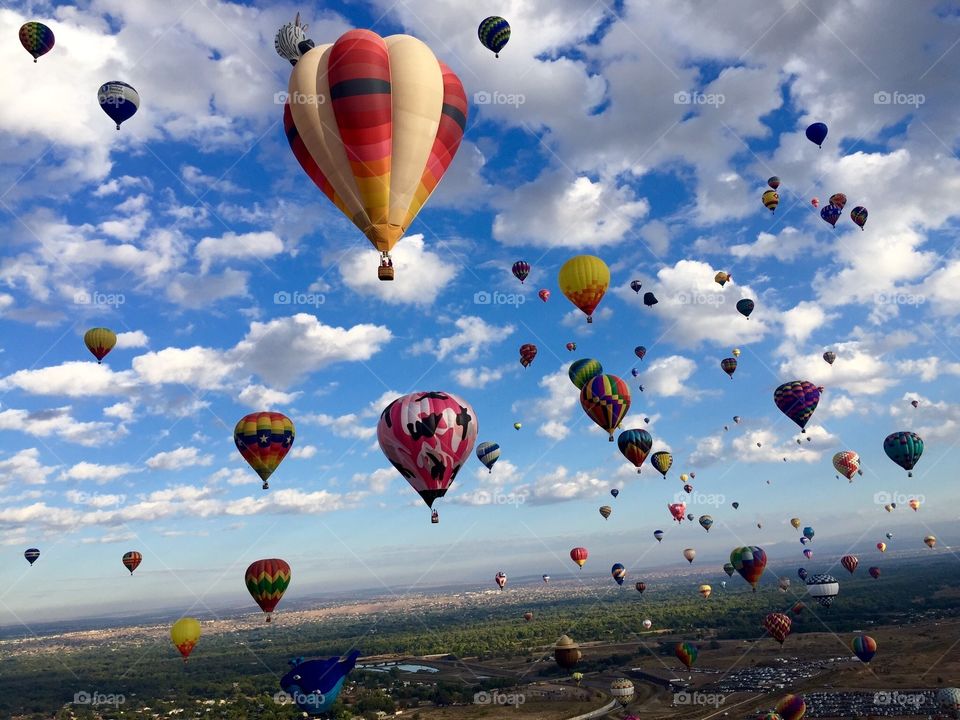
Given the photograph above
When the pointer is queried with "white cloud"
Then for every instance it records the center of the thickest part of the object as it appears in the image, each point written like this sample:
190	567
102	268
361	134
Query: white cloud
231	246
132	339
196	366
58	422
474	335
258	396
479	377
24	468
180	457
100	474
561	485
551	409
303	452
200	291
72	379
665	377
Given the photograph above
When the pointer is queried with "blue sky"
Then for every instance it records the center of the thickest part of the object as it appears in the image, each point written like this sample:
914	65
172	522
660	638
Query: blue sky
639	134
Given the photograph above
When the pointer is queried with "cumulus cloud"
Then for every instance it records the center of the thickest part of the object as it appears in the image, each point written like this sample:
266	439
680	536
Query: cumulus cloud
99	474
178	458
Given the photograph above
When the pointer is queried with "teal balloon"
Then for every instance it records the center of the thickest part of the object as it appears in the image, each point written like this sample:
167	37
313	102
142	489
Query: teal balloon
488	453
904	448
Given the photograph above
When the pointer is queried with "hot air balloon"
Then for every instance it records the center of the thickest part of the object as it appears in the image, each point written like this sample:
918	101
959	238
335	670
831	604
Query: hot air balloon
677	510
722	278
488	453
31	554
824	588
874	572
582	370
706	522
314	685
517	426
622	691
930	541
792	707
817	133
647	624
291	41
773	182
864	647
770	200
131	560
889	507
635	285
850	562
915	403
544	294
36	38
689	554
808	554
619	572
634	445
658	534
500	579
640	351
185	633
427	437
859	216
948	699
390	126
705	590
546	578
661	461
830	214
797	400
829	357
815	202
735	505
494	33
521	270
838	199
686	652
904	448
690	517
736	419
566	652
99	341
795	522
641	586
649	299
118	100
267	580
527	353
745	307
729	366
847	463
584	279
614	492
571	346
889	536
264	439
802	573
605	399
778	625
605	510
750	562
579	555
783	583
914	504
882	546
577	677
729	569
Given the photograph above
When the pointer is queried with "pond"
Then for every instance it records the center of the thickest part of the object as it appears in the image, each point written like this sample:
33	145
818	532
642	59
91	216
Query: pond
405	667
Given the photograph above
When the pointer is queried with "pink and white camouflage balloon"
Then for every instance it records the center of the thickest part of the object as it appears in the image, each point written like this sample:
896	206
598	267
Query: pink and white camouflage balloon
427	436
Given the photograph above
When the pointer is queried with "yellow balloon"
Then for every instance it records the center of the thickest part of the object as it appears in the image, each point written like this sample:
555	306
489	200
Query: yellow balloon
736	352
584	279
185	633
684	477
795	522
99	341
705	590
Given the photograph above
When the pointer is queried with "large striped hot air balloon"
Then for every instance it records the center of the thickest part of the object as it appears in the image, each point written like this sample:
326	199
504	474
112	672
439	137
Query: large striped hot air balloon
584	279
824	588
778	625
375	123
606	400
267	580
427	437
264	439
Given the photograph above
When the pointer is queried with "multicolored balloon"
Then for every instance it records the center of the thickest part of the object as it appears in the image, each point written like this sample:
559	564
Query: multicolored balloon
838	199
528	352
729	366
266	581
874	572
864	647
750	561
520	270
641	586
722	278
488	453
571	346
500	579
705	590
808	554
686	652
427	437
658	534
930	541
770	200
264	439
792	707
859	216
778	626
606	399
582	370
315	685
850	563
882	546
662	461
131	560
904	448
494	33
635	445
706	522
544	294
619	572
606	511
584	279
36	38
375	158
830	214
797	400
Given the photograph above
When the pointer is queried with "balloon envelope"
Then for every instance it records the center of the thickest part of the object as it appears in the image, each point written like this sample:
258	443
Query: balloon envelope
584	279
817	133
118	100
266	582
494	33
36	38
264	439
185	633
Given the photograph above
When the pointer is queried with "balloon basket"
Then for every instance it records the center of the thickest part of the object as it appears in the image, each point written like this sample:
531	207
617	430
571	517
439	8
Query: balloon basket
385	273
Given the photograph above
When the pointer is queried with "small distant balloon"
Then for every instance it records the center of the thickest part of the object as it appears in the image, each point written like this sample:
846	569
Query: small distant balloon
635	285
745	307
520	270
544	294
649	299
817	133
859	216
494	34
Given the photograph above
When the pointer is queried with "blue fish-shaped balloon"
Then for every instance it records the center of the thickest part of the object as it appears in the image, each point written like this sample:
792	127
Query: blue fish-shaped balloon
315	684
